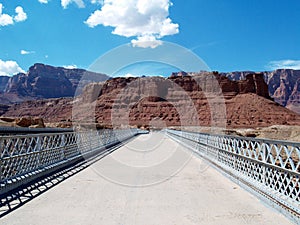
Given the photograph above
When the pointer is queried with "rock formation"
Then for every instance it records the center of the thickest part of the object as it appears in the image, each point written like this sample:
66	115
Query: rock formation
22	122
3	83
43	82
206	100
283	86
285	89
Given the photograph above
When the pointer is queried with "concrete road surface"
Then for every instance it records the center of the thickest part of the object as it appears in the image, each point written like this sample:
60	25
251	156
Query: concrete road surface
150	180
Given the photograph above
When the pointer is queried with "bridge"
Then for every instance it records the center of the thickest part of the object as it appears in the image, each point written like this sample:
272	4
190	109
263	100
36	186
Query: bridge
135	177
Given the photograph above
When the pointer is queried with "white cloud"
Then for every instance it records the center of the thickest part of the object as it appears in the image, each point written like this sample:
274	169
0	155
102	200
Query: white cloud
21	15
43	1
70	67
79	3
10	68
146	42
24	52
284	64
97	2
6	19
147	20
65	3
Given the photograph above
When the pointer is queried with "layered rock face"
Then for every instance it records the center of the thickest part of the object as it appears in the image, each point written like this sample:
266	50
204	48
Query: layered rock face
180	100
43	82
3	83
283	86
51	110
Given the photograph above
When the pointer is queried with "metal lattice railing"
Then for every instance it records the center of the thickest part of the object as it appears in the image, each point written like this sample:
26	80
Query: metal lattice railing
268	166
25	157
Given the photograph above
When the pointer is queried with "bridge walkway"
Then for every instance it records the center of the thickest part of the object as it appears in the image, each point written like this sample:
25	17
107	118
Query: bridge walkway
150	180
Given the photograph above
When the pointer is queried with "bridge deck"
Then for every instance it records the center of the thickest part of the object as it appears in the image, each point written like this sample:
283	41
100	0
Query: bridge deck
150	180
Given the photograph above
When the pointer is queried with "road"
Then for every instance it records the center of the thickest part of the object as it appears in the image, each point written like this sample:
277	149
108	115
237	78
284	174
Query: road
149	180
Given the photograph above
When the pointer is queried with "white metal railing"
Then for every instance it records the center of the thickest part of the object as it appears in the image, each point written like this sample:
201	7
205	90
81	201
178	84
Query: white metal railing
269	167
24	158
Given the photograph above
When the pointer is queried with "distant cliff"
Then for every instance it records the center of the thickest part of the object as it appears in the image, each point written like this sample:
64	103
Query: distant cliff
3	83
43	82
174	101
283	86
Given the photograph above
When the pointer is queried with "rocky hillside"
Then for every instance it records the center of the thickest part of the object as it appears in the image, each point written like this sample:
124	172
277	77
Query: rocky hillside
283	85
43	82
3	83
174	101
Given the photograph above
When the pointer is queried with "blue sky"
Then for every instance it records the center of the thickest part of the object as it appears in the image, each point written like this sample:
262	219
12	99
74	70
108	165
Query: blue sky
229	35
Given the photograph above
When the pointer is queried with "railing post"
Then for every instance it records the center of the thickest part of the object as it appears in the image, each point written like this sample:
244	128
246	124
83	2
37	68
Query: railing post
99	140
206	144
90	141
63	146
264	160
39	150
1	163
78	142
235	156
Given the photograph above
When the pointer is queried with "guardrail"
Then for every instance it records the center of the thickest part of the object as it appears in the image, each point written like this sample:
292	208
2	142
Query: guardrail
25	158
4	131
266	167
